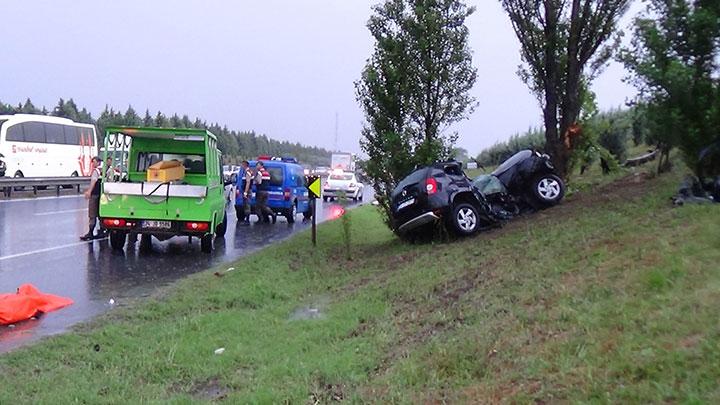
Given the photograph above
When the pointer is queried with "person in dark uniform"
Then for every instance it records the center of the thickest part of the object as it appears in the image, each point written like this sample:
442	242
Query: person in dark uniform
262	182
93	196
244	191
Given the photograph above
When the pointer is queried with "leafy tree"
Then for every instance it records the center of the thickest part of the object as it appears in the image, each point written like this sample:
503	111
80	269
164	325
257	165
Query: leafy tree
533	138
560	44
674	61
414	86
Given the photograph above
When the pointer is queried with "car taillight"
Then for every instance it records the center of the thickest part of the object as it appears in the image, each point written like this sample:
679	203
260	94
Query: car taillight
197	226
114	222
237	193
431	186
286	194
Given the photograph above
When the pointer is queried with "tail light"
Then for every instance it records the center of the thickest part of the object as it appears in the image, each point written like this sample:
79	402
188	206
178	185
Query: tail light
431	186
237	193
197	226
114	223
117	223
286	194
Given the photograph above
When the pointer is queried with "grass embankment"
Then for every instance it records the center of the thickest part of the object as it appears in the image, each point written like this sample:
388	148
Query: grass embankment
611	296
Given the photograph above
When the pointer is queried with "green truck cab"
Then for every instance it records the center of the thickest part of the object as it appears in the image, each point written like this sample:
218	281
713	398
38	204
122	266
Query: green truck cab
192	206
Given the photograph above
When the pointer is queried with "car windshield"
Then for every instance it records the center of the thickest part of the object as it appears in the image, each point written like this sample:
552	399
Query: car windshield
345	177
488	184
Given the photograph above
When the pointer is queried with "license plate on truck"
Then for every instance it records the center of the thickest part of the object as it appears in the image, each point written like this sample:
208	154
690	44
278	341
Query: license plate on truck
151	224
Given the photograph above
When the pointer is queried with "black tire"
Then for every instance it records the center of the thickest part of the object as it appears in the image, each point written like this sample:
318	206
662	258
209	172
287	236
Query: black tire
66	186
291	213
222	227
547	189
465	219
145	241
206	243
19	175
325	199
117	239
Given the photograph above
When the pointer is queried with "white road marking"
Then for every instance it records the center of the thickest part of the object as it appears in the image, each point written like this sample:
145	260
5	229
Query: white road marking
34	252
41	198
60	212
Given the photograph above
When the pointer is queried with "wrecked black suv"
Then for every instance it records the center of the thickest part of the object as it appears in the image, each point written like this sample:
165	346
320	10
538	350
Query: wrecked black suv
439	192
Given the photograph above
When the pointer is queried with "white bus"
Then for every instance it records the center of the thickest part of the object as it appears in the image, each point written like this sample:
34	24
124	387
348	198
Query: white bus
42	146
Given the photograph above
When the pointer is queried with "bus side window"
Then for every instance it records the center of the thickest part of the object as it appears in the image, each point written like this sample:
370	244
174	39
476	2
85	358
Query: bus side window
54	133
72	135
15	134
34	132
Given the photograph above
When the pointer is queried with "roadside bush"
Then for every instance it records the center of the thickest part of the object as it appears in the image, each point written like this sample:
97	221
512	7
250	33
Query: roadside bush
532	139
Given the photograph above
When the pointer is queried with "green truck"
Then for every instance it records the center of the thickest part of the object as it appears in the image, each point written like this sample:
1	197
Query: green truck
137	199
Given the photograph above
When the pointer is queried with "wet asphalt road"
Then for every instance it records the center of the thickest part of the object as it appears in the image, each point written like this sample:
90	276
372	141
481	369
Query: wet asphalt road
39	245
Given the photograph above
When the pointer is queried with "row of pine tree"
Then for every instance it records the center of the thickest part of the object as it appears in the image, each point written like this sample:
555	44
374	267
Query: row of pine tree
235	145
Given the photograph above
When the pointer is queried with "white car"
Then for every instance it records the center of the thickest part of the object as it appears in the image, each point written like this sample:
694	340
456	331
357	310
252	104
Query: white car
342	184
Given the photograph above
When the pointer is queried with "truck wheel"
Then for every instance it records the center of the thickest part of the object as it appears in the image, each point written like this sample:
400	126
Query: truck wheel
117	239
222	227
291	213
145	242
206	243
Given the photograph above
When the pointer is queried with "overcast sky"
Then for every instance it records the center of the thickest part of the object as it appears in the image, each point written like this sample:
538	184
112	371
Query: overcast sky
283	68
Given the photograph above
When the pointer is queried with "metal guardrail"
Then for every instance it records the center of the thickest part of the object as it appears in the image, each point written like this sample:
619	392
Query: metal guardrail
8	184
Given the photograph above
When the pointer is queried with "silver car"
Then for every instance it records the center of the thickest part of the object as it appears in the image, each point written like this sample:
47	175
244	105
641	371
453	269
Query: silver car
342	184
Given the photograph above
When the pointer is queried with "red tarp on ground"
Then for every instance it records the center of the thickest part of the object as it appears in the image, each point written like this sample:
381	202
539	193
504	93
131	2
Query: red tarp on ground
28	302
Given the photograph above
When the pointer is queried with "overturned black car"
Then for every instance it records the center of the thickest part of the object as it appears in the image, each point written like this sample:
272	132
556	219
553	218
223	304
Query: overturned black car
442	192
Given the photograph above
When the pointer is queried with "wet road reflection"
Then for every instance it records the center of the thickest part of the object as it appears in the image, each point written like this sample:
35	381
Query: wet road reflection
39	245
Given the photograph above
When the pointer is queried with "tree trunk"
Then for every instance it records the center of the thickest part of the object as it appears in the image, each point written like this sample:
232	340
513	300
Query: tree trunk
553	142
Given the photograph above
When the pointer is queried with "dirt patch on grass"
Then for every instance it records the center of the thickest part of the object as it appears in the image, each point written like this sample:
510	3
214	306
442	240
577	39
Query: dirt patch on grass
325	392
209	390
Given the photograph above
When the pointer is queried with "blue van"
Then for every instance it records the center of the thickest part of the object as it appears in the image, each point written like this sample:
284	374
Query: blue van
288	194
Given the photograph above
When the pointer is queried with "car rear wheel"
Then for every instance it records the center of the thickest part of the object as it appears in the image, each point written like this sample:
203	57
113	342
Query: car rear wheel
222	227
117	239
548	189
206	243
291	213
465	219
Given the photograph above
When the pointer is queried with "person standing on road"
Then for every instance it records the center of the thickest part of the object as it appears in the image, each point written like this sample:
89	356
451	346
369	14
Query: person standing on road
244	190
93	196
262	182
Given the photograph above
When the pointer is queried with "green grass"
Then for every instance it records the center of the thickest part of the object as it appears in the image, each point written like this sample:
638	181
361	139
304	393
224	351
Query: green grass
610	297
